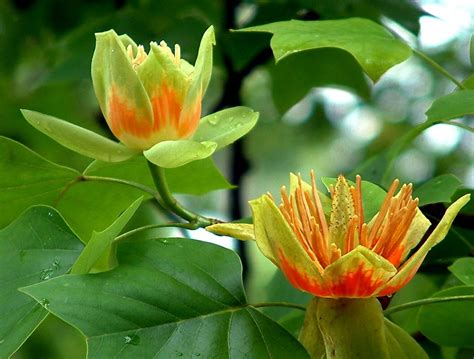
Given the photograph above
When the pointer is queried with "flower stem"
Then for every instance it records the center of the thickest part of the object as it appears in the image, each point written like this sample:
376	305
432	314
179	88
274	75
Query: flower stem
438	68
136	185
427	301
171	203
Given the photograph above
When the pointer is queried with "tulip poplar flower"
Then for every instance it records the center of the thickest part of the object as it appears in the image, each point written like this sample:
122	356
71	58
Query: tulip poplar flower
148	98
152	103
326	247
341	255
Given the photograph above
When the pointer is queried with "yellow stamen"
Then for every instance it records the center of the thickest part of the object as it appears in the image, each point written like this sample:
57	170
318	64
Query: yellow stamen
139	58
177	54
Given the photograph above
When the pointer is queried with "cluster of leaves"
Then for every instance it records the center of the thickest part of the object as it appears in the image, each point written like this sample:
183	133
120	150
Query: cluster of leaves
63	249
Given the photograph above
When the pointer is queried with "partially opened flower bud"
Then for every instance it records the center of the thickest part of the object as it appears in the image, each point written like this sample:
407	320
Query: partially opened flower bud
341	255
149	98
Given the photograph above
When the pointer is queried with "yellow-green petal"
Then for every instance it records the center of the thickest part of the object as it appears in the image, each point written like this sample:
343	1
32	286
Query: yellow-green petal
277	242
242	231
113	73
202	71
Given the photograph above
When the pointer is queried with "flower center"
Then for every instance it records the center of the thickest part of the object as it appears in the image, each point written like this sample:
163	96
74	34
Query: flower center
325	243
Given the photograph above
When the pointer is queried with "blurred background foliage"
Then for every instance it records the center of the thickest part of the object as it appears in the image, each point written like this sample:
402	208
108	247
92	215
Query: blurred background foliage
318	109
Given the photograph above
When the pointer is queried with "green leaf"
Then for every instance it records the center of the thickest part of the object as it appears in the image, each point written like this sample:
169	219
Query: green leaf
469	82
226	126
440	189
469	208
400	344
420	287
449	323
463	269
34	248
372	196
99	253
197	177
28	179
295	75
165	301
371	45
78	139
471	51
454	105
171	154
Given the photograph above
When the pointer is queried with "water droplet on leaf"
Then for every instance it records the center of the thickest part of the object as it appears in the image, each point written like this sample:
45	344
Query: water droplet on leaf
56	263
132	339
46	274
44	303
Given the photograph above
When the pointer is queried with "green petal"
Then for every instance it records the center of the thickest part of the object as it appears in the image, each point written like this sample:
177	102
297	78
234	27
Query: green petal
99	253
78	139
352	328
409	268
111	68
170	154
402	345
242	231
202	71
226	126
127	40
275	238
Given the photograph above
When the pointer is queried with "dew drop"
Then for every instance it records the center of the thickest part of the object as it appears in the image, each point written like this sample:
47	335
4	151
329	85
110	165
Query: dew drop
44	303
132	339
50	214
197	354
179	354
46	274
56	263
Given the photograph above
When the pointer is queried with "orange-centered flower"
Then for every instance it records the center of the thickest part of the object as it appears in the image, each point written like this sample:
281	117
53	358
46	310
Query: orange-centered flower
340	254
149	98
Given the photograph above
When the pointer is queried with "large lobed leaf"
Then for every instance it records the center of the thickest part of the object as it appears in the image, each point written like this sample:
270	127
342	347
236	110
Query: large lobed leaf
34	248
87	205
371	45
28	179
165	301
449	323
440	189
294	76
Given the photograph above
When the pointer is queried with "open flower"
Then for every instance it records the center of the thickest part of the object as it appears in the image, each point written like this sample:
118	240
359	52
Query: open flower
152	104
342	255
